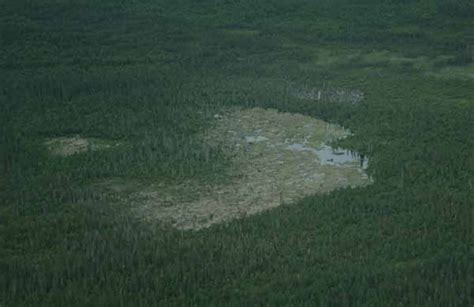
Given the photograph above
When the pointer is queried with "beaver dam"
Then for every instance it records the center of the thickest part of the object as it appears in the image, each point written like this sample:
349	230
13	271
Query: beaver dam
277	158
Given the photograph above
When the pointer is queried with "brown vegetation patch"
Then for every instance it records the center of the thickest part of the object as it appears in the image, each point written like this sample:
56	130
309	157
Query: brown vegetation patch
331	95
277	158
68	146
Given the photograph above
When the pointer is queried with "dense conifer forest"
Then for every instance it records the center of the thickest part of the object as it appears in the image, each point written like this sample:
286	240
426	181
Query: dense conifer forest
143	79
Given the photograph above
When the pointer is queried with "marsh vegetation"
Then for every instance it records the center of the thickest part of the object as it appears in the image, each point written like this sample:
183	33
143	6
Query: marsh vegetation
275	158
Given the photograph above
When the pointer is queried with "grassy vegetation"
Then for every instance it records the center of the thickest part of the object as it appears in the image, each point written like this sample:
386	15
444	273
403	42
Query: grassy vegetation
151	74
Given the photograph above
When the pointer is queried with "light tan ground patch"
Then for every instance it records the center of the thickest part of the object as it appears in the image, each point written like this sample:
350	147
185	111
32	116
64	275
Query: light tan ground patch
277	158
395	59
343	56
325	57
68	146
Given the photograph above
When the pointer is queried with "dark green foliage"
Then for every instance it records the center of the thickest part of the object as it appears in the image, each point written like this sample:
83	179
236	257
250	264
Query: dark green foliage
151	74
